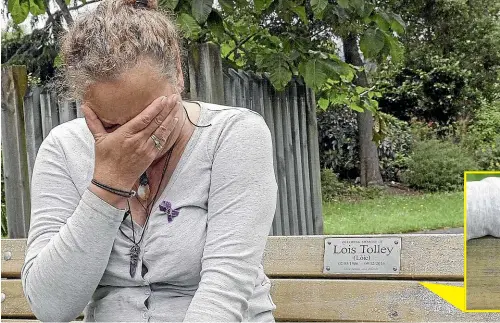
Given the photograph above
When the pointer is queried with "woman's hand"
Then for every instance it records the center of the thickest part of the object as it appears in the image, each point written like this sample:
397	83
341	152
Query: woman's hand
124	154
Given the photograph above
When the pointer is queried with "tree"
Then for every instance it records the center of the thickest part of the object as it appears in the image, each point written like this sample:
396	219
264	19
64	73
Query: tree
452	61
298	38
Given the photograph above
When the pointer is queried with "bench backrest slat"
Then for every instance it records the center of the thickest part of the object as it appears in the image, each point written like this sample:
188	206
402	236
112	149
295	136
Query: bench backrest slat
423	256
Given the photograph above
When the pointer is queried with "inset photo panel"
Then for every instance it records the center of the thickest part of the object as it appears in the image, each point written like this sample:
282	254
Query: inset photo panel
482	240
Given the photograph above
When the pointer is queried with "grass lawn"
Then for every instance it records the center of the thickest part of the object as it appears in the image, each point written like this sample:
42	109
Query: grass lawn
394	214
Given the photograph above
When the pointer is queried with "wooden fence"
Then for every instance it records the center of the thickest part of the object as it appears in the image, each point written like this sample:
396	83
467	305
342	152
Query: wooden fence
28	115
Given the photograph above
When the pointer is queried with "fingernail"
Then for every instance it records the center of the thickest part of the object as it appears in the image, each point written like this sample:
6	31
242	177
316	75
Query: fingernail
176	120
164	100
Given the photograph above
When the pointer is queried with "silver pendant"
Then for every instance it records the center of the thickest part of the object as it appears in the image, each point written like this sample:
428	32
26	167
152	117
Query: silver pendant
134	259
143	192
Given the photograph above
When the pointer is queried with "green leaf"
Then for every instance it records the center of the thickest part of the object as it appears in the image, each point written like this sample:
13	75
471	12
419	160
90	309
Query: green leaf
58	61
397	24
343	3
279	75
315	72
318	7
68	2
359	6
227	5
37	7
367	10
261	5
382	20
396	49
189	26
355	107
301	12
201	9
344	70
169	4
372	42
19	10
324	103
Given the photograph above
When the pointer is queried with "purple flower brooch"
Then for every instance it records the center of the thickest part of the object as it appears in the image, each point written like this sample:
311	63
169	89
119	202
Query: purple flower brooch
166	208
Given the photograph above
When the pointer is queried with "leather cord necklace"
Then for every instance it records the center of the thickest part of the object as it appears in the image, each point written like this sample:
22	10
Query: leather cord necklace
135	250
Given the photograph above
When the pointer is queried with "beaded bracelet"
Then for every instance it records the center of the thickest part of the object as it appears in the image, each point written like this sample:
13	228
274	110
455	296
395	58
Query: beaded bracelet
114	190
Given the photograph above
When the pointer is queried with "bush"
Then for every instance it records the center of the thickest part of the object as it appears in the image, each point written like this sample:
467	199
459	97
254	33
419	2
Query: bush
339	147
332	189
395	149
437	165
482	138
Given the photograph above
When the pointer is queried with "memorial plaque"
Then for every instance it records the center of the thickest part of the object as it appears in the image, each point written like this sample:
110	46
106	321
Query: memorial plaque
364	255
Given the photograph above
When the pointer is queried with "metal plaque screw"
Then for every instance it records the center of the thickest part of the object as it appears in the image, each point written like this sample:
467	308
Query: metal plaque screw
328	268
7	255
396	242
329	242
3	297
394	268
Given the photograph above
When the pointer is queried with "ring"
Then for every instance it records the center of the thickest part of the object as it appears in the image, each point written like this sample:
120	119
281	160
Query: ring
157	142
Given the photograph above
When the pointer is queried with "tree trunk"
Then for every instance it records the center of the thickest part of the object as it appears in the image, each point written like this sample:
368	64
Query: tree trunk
368	154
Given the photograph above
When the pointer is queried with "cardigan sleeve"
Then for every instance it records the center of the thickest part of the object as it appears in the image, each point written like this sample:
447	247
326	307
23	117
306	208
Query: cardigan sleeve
69	240
241	206
483	208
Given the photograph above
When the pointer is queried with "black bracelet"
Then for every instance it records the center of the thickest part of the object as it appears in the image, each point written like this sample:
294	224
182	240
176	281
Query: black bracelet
114	190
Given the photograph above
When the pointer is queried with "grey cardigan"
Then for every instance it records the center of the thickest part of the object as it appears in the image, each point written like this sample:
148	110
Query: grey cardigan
204	265
483	208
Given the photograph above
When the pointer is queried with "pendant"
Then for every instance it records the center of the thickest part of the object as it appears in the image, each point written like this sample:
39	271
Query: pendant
134	258
143	192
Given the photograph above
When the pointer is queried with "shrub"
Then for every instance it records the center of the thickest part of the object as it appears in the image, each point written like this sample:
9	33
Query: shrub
395	149
482	138
437	165
332	189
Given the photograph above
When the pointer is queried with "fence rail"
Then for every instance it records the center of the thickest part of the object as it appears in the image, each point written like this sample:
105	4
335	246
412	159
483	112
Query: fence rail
28	115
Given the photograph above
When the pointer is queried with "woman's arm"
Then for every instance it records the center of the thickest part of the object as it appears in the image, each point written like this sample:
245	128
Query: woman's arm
69	241
241	206
483	208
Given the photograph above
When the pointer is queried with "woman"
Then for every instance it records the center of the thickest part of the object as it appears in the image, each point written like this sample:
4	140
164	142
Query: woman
188	245
483	208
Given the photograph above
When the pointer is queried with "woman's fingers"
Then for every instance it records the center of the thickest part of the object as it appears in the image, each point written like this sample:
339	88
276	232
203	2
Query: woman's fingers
93	122
146	117
164	131
169	130
165	114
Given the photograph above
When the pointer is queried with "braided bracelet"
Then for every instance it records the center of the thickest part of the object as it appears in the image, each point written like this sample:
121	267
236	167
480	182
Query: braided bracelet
114	190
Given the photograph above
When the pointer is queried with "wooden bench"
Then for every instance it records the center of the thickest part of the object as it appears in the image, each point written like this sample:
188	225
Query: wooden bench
303	293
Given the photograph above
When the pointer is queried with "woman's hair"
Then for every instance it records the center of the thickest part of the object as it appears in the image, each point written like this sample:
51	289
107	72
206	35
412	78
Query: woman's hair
116	36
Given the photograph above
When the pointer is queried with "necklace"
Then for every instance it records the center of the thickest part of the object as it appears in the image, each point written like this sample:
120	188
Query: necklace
135	250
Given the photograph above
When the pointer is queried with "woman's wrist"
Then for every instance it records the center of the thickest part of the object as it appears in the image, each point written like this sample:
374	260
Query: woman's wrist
113	199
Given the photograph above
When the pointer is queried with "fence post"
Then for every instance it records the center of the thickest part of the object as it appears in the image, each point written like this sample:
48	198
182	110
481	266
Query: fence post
314	165
205	73
15	163
33	122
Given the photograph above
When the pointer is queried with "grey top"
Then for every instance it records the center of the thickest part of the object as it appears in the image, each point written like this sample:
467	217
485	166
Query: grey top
204	265
483	208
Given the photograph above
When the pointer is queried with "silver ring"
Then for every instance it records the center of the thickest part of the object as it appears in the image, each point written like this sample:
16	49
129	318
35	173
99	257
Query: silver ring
157	142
